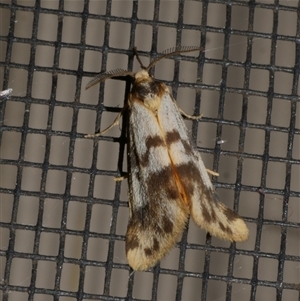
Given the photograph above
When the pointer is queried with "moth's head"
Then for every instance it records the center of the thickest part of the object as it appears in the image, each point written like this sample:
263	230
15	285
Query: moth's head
142	75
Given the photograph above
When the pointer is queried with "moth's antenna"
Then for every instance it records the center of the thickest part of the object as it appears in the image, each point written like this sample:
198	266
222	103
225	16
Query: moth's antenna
120	72
173	51
138	58
101	77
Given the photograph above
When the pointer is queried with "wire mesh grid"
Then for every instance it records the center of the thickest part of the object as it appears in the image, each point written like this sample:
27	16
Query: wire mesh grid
63	217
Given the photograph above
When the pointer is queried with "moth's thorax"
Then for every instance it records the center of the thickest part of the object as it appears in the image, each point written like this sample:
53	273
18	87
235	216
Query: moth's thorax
147	90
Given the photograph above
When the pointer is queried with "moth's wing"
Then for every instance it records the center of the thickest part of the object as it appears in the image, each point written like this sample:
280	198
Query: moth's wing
205	208
157	214
213	215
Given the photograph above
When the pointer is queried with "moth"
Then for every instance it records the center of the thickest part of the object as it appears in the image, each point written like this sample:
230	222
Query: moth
168	181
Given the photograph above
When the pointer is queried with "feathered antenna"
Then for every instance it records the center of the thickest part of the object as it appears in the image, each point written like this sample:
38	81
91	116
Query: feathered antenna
173	51
106	75
120	72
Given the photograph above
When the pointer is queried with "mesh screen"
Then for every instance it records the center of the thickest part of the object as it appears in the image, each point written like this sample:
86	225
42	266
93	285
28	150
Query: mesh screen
63	217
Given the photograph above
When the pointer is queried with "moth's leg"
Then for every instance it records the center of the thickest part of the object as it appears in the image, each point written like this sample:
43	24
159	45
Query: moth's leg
116	122
197	117
213	173
121	178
